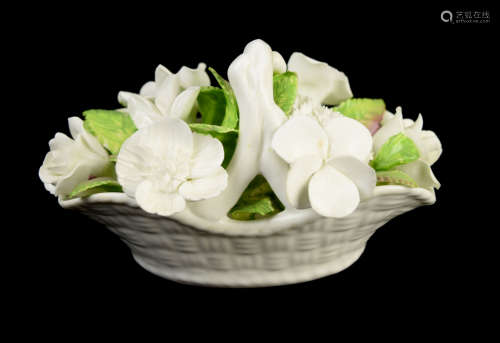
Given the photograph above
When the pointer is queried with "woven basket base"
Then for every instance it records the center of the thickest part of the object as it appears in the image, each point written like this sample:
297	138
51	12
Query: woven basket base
252	278
286	249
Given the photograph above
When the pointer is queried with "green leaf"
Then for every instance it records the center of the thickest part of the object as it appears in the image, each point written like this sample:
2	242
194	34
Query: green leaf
251	211
111	128
93	186
257	201
367	111
225	135
399	149
285	90
231	113
395	177
212	105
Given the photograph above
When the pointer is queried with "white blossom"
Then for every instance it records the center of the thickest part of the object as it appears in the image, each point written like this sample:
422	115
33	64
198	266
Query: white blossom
426	141
328	160
72	161
170	95
165	164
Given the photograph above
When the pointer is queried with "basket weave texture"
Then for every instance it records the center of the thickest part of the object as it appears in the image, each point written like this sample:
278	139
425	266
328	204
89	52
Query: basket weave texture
300	252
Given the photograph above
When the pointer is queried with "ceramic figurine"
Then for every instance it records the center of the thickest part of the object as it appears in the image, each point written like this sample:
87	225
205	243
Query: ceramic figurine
275	176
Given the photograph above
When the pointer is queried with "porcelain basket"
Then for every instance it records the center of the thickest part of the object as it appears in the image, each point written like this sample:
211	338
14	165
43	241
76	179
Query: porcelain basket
287	248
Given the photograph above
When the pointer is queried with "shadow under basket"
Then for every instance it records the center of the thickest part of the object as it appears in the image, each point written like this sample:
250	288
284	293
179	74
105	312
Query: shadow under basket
291	247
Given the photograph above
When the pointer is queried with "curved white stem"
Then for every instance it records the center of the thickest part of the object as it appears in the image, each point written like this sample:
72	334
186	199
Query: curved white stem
251	77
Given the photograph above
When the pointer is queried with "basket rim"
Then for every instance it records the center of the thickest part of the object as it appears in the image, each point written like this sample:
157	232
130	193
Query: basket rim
258	227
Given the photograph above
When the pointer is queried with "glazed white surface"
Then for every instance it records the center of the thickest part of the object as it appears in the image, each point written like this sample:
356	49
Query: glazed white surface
293	246
201	245
281	221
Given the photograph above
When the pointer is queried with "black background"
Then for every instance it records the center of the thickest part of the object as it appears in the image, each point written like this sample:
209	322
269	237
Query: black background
433	259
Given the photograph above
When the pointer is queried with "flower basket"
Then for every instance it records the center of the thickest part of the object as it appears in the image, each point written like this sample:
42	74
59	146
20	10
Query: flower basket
269	187
288	248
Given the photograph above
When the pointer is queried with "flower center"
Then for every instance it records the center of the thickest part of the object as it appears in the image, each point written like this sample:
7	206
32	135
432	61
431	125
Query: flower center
172	176
168	183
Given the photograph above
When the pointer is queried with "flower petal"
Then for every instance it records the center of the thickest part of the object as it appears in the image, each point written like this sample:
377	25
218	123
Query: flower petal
92	143
148	90
166	92
171	140
427	142
300	136
421	173
88	141
132	165
161	73
419	123
208	154
66	184
193	77
387	116
60	141
298	178
165	146
319	81
332	194
47	173
205	187
348	137
391	127
430	144
363	176
324	114
50	188
142	111
279	64
75	125
408	123
184	103
153	201
58	163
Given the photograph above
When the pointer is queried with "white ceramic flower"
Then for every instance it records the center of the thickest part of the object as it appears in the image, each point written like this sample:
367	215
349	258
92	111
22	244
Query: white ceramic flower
328	160
305	105
426	141
172	95
319	81
72	161
165	164
186	77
